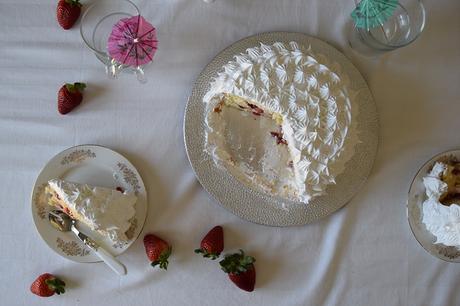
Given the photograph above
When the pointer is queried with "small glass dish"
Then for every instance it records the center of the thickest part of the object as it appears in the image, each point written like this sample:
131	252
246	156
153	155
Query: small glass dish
403	27
414	212
95	27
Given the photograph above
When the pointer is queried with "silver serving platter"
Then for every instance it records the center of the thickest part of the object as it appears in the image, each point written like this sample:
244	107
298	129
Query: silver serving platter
414	212
253	205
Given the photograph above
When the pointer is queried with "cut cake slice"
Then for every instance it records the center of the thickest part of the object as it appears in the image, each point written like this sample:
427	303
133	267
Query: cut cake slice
104	210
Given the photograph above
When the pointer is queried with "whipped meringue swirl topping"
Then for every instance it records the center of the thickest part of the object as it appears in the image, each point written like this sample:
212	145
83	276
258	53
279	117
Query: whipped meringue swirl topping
303	93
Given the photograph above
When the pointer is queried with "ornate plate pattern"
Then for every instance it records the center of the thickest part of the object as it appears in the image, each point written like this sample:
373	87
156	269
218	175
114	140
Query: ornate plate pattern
94	165
414	212
255	206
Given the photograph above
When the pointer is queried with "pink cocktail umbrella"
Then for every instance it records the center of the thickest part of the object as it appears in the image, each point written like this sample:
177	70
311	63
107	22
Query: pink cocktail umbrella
133	41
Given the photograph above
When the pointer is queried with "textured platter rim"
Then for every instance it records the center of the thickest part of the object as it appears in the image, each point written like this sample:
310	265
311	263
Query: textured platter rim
264	209
424	238
90	256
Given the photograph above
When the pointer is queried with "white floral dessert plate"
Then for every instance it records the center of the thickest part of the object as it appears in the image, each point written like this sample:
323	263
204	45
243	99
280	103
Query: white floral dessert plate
94	165
415	200
254	205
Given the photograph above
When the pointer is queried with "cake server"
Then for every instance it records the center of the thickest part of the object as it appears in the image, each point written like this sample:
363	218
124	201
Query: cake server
62	222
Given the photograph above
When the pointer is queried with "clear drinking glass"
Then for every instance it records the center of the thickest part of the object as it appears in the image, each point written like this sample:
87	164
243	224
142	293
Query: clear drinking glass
95	27
402	28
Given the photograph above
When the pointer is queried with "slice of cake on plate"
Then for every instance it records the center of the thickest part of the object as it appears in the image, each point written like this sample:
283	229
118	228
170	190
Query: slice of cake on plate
104	210
441	209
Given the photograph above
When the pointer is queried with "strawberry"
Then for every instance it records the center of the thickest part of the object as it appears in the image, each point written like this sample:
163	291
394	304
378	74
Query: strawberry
69	97
157	251
212	244
240	269
47	285
67	12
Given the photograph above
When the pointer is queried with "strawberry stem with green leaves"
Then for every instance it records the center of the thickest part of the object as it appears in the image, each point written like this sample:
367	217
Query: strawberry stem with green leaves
75	87
162	261
205	253
74	2
56	285
237	263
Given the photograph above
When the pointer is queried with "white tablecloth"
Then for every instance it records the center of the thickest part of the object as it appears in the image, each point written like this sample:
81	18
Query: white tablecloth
364	254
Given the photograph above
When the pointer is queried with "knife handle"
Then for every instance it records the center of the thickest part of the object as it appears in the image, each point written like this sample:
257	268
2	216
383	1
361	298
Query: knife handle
111	261
106	257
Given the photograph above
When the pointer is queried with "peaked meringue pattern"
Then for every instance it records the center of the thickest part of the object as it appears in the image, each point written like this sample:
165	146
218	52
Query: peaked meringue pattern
306	91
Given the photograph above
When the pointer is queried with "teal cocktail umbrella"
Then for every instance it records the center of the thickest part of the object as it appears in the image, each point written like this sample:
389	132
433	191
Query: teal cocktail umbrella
373	13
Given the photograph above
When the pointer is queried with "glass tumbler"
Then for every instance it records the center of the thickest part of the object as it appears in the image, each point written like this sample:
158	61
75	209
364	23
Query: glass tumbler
95	28
402	28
